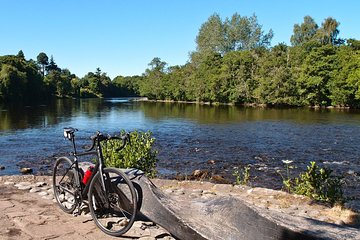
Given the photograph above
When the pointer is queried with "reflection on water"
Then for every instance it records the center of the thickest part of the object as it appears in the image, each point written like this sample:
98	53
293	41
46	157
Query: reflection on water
188	135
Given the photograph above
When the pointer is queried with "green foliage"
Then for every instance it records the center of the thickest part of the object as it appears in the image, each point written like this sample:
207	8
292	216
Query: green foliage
277	85
127	86
19	79
42	60
139	154
316	183
232	64
317	73
236	33
242	176
229	66
287	181
305	32
154	85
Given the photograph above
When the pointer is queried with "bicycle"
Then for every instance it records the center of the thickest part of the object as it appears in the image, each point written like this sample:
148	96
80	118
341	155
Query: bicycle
109	192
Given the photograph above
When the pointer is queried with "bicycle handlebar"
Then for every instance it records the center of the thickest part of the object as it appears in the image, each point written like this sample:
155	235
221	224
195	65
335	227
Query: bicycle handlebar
99	137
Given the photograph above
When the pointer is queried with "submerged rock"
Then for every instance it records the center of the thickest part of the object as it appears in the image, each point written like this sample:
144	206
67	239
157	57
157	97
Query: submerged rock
26	170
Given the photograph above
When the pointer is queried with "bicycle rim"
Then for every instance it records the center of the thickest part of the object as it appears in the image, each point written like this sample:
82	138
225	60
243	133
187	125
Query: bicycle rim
64	184
113	212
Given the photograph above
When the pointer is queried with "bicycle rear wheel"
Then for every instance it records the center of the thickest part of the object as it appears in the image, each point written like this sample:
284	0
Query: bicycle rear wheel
64	184
113	211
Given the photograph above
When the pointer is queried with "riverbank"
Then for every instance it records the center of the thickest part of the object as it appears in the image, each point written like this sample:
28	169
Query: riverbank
253	105
31	214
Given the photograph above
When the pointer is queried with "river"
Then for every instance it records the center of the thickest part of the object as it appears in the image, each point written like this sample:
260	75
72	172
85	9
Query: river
189	136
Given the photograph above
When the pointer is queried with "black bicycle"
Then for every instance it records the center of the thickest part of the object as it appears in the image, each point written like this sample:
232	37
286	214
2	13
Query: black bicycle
109	192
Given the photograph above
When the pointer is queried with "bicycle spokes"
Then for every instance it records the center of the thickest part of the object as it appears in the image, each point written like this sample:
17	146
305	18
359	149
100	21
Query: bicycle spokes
114	210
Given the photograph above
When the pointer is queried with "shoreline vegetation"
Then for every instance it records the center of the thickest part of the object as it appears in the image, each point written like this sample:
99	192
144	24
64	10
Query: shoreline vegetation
233	64
255	105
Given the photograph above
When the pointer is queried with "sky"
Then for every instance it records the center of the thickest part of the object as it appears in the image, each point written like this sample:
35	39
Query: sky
121	37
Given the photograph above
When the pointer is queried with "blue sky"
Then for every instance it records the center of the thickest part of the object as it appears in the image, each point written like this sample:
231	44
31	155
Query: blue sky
123	36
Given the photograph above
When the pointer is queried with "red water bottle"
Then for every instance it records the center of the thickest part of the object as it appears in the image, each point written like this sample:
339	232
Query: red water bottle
87	174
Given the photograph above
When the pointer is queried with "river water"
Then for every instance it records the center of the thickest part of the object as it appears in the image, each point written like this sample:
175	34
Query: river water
189	136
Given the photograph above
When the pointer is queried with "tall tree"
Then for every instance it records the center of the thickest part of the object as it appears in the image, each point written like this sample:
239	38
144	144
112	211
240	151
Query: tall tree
236	33
154	81
329	31
52	66
211	35
43	61
276	83
305	32
236	73
317	73
245	33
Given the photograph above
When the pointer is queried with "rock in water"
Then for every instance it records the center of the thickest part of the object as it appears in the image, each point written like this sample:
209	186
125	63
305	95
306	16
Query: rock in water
2	167
26	170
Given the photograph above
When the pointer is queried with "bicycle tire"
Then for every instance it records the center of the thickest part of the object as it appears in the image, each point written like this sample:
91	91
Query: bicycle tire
117	217
64	184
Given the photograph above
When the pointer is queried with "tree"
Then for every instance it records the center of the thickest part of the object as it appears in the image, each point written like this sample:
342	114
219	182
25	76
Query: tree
345	84
43	61
236	72
96	84
245	33
317	73
21	55
20	79
52	65
127	86
305	32
154	81
12	82
211	35
276	83
354	44
329	31
237	33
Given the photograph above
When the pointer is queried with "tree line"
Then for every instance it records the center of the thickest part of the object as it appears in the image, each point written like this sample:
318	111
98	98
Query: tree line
233	63
30	80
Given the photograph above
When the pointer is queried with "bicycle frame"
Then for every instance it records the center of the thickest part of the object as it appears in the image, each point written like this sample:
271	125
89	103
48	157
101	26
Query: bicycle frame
99	166
106	198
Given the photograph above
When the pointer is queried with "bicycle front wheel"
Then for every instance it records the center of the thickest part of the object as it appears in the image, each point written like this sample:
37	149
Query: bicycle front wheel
113	210
64	184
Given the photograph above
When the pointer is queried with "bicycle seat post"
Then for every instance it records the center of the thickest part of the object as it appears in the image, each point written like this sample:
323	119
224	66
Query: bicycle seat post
73	143
69	133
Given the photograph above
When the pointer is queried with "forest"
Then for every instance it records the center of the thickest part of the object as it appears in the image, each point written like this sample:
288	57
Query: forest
234	62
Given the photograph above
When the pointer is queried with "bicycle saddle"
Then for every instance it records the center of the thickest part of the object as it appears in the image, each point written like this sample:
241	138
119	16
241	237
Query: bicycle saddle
69	132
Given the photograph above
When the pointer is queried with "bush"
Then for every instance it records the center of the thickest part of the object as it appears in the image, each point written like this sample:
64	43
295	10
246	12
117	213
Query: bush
319	184
242	175
139	154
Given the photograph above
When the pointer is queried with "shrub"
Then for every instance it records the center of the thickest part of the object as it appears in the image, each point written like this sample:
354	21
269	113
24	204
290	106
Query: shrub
287	181
242	176
139	154
318	184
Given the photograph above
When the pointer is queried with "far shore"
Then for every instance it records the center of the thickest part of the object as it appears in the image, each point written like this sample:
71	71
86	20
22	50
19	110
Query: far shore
255	105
